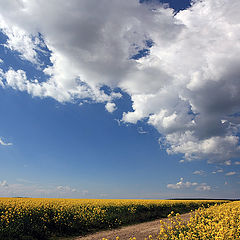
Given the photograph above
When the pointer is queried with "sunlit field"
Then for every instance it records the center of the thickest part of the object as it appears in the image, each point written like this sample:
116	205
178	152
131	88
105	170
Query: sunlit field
216	222
32	218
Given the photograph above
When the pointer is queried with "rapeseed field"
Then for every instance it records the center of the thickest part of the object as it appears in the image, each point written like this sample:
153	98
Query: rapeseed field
32	218
217	222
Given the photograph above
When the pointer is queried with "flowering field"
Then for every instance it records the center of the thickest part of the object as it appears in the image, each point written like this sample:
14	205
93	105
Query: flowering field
217	222
29	218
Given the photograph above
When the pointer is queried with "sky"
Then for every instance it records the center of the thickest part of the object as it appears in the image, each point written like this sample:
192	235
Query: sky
120	99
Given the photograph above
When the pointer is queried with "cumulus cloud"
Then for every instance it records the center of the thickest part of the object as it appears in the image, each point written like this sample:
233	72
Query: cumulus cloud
181	185
203	187
198	172
228	163
110	107
218	171
19	40
4	143
187	86
230	173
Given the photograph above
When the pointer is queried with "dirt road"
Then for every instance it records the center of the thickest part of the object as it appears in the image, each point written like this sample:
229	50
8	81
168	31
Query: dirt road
140	231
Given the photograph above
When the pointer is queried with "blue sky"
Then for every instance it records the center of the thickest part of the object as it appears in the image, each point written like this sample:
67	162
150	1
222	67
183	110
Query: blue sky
91	114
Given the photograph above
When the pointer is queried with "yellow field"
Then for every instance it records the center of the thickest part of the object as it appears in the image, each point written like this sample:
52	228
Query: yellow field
217	222
41	218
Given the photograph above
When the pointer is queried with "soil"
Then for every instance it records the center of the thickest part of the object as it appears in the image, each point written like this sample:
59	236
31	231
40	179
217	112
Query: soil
140	231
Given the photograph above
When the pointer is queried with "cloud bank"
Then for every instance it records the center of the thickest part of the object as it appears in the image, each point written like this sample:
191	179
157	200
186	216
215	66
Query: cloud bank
181	70
183	185
26	188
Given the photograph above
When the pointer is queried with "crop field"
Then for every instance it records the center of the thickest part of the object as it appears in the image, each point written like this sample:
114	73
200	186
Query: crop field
29	218
217	222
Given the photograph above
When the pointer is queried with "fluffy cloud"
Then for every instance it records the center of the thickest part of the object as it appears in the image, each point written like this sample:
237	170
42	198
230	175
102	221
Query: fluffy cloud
198	172
181	185
187	86
218	171
228	163
203	187
230	173
19	40
4	143
110	107
215	149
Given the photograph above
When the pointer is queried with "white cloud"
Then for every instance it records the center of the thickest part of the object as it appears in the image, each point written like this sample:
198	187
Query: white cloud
195	54
181	184
19	40
237	163
203	187
141	131
230	173
215	149
110	107
18	80
4	143
198	172
1	61
197	186
1	78
3	183
228	163
218	171
66	189
26	188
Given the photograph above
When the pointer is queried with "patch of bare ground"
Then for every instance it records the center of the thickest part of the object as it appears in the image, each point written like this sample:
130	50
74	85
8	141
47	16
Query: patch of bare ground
140	231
